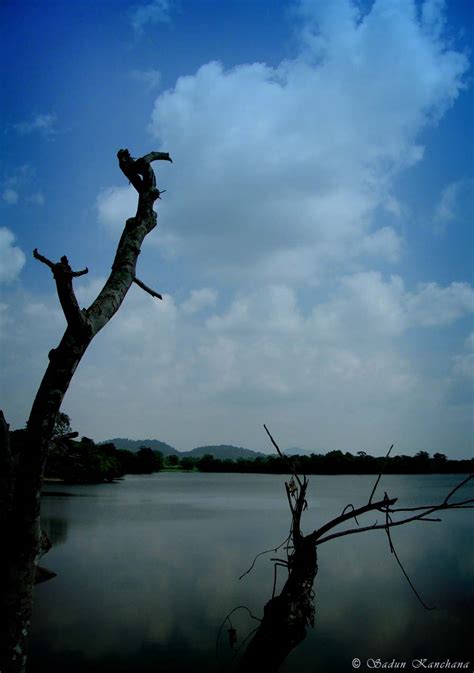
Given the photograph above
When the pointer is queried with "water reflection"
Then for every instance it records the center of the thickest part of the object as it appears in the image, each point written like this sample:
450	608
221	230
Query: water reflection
148	567
56	528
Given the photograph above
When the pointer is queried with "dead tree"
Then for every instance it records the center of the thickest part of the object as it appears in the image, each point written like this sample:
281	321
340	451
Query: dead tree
21	475
288	615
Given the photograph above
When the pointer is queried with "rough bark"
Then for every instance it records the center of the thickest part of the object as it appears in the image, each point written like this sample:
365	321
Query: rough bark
22	476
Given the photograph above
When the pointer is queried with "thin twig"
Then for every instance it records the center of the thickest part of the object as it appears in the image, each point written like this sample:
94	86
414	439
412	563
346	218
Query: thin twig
243	643
394	552
227	617
141	284
282	455
380	474
419	517
267	551
468	478
353	509
375	506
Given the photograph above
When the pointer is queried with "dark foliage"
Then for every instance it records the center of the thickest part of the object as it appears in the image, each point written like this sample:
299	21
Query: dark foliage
337	462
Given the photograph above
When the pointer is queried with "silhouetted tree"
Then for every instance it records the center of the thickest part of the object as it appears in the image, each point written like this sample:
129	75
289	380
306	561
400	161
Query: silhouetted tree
287	615
21	475
187	463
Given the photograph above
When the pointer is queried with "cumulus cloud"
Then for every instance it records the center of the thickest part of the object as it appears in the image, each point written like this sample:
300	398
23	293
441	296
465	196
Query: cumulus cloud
114	205
433	305
264	355
12	258
284	180
192	372
289	171
296	163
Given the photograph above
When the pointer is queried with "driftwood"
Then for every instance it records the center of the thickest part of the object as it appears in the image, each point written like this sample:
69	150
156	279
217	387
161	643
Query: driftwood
21	477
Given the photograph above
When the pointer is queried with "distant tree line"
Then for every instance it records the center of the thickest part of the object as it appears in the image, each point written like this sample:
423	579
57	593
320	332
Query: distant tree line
84	461
336	462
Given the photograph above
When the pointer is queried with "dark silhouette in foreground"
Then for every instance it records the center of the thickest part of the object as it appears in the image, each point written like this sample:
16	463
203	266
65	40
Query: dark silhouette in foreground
288	615
21	474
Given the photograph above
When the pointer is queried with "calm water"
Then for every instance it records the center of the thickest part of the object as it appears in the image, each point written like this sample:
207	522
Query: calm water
148	569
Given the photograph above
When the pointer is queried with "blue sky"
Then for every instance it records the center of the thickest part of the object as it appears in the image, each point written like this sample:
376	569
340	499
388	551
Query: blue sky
315	240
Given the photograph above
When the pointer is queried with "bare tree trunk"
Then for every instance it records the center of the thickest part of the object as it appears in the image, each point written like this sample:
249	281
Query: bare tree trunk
286	617
22	475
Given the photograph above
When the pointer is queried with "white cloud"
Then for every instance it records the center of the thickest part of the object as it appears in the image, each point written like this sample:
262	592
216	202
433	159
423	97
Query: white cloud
114	206
434	305
199	300
283	180
289	171
10	196
298	162
464	363
455	204
12	258
323	376
45	124
156	11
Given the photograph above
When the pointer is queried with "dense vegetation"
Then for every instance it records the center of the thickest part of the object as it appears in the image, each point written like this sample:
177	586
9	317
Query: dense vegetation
85	461
337	462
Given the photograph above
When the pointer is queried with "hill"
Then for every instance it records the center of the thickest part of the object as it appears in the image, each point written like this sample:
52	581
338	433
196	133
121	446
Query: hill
135	444
221	451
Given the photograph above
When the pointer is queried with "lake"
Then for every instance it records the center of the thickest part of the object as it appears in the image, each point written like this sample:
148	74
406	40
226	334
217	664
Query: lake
148	569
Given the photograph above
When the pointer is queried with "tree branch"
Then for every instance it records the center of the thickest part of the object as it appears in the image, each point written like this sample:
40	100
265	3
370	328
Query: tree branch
157	156
380	474
139	171
141	284
141	175
418	517
76	274
394	552
468	478
63	275
45	260
283	457
353	514
67	435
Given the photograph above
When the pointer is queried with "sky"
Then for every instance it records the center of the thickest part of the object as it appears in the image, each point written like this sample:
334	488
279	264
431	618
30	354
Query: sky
314	244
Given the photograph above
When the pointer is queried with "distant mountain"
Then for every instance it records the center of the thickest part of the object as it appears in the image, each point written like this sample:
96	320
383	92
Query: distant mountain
135	444
296	451
222	451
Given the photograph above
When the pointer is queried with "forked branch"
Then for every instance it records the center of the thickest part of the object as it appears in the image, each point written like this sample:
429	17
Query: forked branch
139	171
63	275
